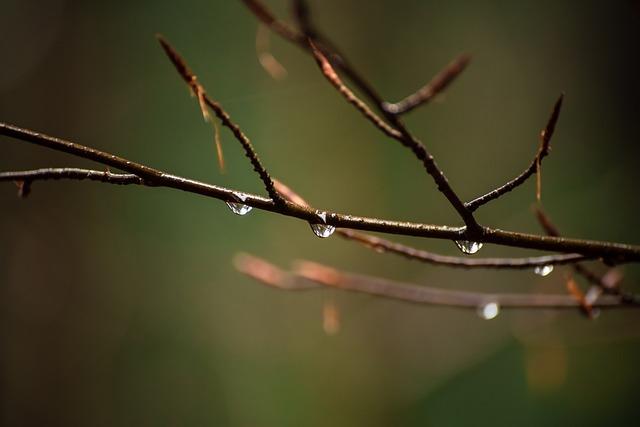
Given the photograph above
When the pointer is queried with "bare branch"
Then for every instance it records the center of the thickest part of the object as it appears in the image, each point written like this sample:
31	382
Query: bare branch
334	79
191	80
384	245
72	173
404	137
330	277
543	151
429	91
269	274
618	252
607	283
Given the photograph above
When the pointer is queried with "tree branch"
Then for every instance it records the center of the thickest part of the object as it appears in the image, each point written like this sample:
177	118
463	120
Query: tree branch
190	78
616	252
306	271
543	151
384	245
429	91
72	173
405	137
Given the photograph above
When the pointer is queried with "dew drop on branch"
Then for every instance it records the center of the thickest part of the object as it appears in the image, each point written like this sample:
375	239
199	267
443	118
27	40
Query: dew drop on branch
468	247
322	229
489	310
239	208
543	270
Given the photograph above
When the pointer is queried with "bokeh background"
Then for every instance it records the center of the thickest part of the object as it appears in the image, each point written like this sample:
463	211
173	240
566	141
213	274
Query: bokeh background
120	305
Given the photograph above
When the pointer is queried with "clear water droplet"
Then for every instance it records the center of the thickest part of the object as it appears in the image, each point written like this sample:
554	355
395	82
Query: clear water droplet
543	270
468	247
239	208
322	230
489	310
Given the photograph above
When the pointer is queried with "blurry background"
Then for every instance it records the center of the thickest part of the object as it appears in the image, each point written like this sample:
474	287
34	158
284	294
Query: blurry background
120	305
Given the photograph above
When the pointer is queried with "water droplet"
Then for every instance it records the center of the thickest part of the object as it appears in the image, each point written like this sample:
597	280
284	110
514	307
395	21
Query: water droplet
239	208
595	313
592	295
543	270
468	247
489	310
322	230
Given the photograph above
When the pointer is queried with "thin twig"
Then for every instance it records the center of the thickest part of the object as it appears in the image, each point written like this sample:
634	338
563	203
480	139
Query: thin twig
190	78
384	245
429	91
264	15
334	79
72	173
543	151
619	252
309	271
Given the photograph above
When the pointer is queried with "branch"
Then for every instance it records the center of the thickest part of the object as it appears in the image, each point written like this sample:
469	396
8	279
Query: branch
616	252
326	276
429	91
190	78
404	136
334	79
72	173
384	245
264	15
608	283
534	167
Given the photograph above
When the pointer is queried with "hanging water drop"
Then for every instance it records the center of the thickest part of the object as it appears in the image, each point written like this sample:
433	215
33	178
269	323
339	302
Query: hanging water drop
322	230
489	310
468	247
543	270
239	208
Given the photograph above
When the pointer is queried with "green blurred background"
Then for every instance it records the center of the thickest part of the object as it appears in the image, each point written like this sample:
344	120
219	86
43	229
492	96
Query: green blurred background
120	305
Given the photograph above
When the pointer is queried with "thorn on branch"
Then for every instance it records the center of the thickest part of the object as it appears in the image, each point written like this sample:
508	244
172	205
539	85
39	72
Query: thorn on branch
24	188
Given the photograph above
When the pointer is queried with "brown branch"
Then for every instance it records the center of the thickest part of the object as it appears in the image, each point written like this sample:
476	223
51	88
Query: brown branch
405	137
190	78
607	283
429	91
616	251
543	151
384	245
264	15
326	276
334	79
401	134
72	173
